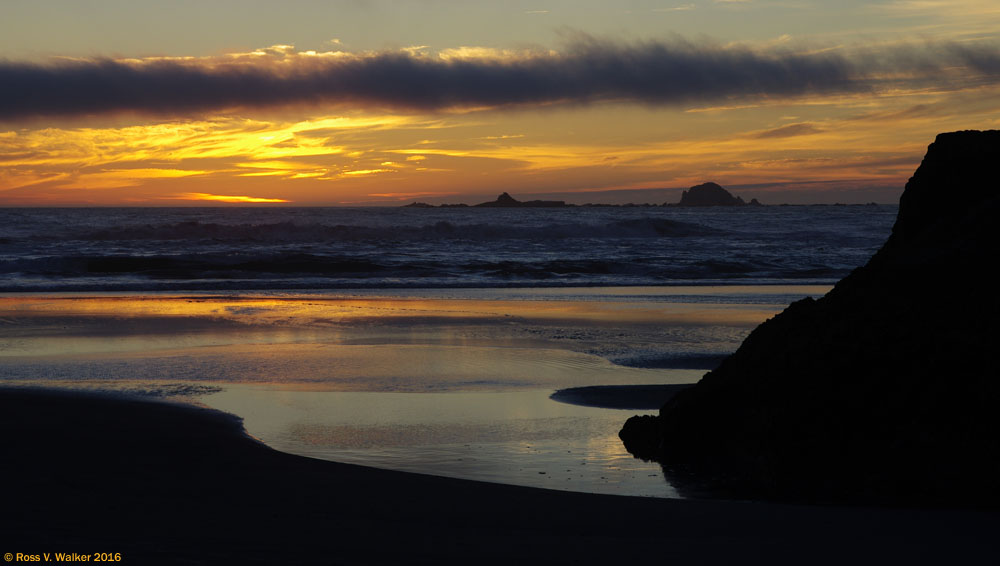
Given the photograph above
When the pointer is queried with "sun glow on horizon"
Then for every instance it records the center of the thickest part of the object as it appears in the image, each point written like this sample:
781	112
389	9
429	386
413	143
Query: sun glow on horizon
452	122
225	198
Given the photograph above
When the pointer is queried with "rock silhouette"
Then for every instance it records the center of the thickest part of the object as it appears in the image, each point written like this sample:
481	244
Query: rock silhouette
502	201
507	201
885	390
709	194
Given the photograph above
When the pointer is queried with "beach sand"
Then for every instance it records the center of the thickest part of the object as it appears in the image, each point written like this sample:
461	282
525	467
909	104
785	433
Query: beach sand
92	472
446	382
634	397
170	484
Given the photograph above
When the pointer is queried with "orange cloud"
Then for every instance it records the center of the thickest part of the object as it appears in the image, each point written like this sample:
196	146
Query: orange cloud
316	159
225	198
361	172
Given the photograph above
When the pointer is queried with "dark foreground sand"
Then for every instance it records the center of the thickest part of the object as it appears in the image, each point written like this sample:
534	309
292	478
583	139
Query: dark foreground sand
167	484
635	397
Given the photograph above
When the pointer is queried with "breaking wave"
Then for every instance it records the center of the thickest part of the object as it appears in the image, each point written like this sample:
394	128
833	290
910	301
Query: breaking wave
290	231
262	248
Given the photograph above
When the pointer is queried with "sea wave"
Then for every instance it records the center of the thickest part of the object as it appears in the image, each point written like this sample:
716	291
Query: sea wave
280	264
290	231
176	249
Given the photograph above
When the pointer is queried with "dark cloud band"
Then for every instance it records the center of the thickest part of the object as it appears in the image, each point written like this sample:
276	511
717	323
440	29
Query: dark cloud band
588	71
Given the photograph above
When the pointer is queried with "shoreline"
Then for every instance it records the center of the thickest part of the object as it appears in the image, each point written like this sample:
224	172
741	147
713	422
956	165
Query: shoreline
631	397
164	483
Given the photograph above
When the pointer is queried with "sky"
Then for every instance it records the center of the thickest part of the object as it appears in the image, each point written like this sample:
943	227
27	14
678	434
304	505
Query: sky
355	103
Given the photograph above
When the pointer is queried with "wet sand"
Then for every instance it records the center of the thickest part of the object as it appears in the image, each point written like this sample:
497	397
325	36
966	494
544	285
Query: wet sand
429	381
171	484
635	397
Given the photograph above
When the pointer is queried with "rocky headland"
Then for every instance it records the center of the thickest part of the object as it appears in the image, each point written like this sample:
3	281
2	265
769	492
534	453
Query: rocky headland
883	391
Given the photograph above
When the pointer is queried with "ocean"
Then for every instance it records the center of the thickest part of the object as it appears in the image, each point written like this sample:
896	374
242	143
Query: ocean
426	340
165	249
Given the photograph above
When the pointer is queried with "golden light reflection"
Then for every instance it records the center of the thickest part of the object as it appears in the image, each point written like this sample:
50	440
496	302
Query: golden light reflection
324	310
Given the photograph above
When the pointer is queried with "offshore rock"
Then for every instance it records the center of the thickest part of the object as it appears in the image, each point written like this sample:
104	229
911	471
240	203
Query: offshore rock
502	201
507	201
709	194
885	390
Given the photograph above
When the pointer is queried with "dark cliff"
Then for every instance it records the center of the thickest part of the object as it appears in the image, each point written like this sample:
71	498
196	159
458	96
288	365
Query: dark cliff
886	390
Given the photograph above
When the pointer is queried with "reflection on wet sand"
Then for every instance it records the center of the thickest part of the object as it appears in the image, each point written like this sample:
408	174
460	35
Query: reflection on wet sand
449	382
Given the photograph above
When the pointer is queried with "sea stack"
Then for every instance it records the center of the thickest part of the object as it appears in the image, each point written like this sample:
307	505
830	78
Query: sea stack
507	201
502	201
883	391
709	194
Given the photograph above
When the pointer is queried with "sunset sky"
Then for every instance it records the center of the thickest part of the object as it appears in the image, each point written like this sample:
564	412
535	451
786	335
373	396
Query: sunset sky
359	103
